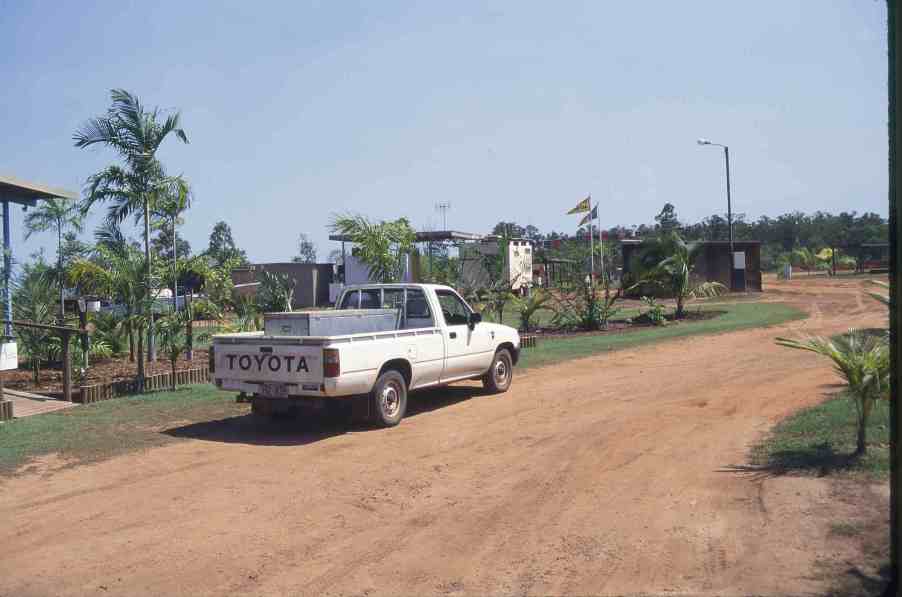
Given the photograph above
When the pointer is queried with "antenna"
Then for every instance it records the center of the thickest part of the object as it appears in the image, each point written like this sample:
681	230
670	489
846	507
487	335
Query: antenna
444	207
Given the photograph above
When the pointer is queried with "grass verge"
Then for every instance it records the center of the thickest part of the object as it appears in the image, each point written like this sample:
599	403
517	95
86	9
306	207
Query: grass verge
738	316
105	429
820	440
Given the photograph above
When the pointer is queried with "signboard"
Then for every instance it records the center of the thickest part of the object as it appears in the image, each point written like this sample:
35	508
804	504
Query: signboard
739	260
9	356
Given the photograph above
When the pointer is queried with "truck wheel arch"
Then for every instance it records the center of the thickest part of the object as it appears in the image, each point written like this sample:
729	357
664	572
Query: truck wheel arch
402	366
515	354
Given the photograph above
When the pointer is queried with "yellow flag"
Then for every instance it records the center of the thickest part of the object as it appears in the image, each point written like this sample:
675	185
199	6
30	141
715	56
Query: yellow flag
581	207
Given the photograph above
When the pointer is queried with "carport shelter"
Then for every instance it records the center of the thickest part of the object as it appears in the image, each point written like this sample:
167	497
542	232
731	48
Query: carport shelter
26	194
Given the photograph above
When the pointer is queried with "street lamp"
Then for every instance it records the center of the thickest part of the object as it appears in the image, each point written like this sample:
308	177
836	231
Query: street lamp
726	155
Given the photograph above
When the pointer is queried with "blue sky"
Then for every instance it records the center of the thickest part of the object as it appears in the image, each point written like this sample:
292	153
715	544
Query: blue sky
507	110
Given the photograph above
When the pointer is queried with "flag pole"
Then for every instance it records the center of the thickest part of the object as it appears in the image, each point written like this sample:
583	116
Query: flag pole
591	245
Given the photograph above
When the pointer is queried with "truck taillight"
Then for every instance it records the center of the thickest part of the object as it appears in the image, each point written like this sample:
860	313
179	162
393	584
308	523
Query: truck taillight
331	362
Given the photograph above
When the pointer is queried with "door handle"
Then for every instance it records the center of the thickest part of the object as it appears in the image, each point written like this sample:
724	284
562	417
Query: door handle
452	335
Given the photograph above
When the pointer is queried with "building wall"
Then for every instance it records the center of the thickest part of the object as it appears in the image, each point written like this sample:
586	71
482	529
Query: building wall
713	264
519	270
311	281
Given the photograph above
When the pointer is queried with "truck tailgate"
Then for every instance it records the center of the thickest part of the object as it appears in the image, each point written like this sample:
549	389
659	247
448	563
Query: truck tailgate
253	363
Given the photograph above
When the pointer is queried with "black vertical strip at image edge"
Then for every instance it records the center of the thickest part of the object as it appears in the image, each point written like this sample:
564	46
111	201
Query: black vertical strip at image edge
893	79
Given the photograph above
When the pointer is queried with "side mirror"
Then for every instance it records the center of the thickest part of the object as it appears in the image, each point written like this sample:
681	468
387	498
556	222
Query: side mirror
473	319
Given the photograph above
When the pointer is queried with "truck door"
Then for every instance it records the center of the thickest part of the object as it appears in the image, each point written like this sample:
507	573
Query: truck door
467	352
424	346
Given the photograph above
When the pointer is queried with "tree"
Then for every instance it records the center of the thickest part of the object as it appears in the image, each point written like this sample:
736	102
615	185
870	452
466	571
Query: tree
667	219
171	201
117	270
135	134
222	246
33	300
275	293
670	262
383	247
60	215
863	361
509	229
173	340
306	250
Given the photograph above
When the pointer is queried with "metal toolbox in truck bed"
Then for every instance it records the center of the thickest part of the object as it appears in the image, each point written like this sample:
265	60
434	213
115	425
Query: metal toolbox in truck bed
330	323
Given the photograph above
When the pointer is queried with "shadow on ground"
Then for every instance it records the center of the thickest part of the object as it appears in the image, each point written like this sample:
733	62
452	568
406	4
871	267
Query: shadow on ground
310	425
820	460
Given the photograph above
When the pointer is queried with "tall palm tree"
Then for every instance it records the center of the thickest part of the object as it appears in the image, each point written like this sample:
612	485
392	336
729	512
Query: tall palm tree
171	200
135	134
59	214
863	361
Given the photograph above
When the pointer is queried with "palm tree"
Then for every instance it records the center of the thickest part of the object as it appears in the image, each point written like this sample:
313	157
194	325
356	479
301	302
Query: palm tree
878	296
863	361
804	258
173	199
382	246
671	262
59	214
118	271
135	134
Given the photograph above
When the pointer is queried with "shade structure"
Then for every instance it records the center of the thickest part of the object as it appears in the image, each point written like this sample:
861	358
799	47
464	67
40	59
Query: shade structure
21	192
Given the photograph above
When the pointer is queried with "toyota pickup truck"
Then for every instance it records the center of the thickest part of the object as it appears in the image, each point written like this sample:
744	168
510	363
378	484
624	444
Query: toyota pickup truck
430	337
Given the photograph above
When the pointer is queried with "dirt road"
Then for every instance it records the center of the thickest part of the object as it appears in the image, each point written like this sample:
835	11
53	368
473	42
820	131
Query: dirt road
609	475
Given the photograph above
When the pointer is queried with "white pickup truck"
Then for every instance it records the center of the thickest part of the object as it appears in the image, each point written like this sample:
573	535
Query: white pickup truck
432	338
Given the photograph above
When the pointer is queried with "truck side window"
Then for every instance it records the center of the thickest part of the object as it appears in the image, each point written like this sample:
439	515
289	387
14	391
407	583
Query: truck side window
393	298
370	299
417	313
454	309
350	300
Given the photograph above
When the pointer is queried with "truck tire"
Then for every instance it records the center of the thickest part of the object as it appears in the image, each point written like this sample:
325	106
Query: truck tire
389	399
498	378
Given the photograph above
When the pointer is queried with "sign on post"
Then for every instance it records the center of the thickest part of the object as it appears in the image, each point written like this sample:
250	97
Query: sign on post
9	356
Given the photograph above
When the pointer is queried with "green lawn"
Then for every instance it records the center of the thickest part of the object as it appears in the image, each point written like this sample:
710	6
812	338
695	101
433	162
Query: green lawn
820	440
736	316
105	429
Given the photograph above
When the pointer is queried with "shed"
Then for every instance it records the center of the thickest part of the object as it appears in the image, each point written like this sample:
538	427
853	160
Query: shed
713	263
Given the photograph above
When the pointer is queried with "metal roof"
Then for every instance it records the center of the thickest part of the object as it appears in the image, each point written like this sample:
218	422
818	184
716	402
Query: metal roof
27	193
427	236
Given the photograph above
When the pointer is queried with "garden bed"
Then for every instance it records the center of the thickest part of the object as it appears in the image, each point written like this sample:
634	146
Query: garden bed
102	371
622	326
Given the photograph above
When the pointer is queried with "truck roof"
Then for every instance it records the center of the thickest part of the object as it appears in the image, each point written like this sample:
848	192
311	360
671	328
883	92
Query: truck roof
397	285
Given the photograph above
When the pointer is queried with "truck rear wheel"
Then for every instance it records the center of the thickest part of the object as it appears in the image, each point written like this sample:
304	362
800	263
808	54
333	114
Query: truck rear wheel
498	378
389	398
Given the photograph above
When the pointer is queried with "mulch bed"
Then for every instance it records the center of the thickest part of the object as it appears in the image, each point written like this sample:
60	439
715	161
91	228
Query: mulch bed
101	371
623	327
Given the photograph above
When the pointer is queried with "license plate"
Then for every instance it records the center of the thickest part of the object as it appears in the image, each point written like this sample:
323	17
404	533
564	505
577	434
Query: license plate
274	390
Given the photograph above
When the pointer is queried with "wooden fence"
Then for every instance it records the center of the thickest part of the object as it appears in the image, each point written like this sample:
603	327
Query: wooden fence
125	387
198	324
528	341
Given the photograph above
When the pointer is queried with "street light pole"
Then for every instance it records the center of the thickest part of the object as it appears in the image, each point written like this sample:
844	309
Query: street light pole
726	155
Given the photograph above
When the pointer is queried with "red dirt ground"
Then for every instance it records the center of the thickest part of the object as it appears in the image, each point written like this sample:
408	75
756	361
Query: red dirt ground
620	473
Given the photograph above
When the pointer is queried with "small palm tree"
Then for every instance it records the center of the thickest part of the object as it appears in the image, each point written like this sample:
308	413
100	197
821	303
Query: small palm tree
528	307
878	296
675	269
34	302
173	340
804	258
118	271
863	361
382	246
61	215
135	134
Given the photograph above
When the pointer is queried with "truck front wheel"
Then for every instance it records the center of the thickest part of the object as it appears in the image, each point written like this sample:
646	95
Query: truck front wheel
389	398
498	378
